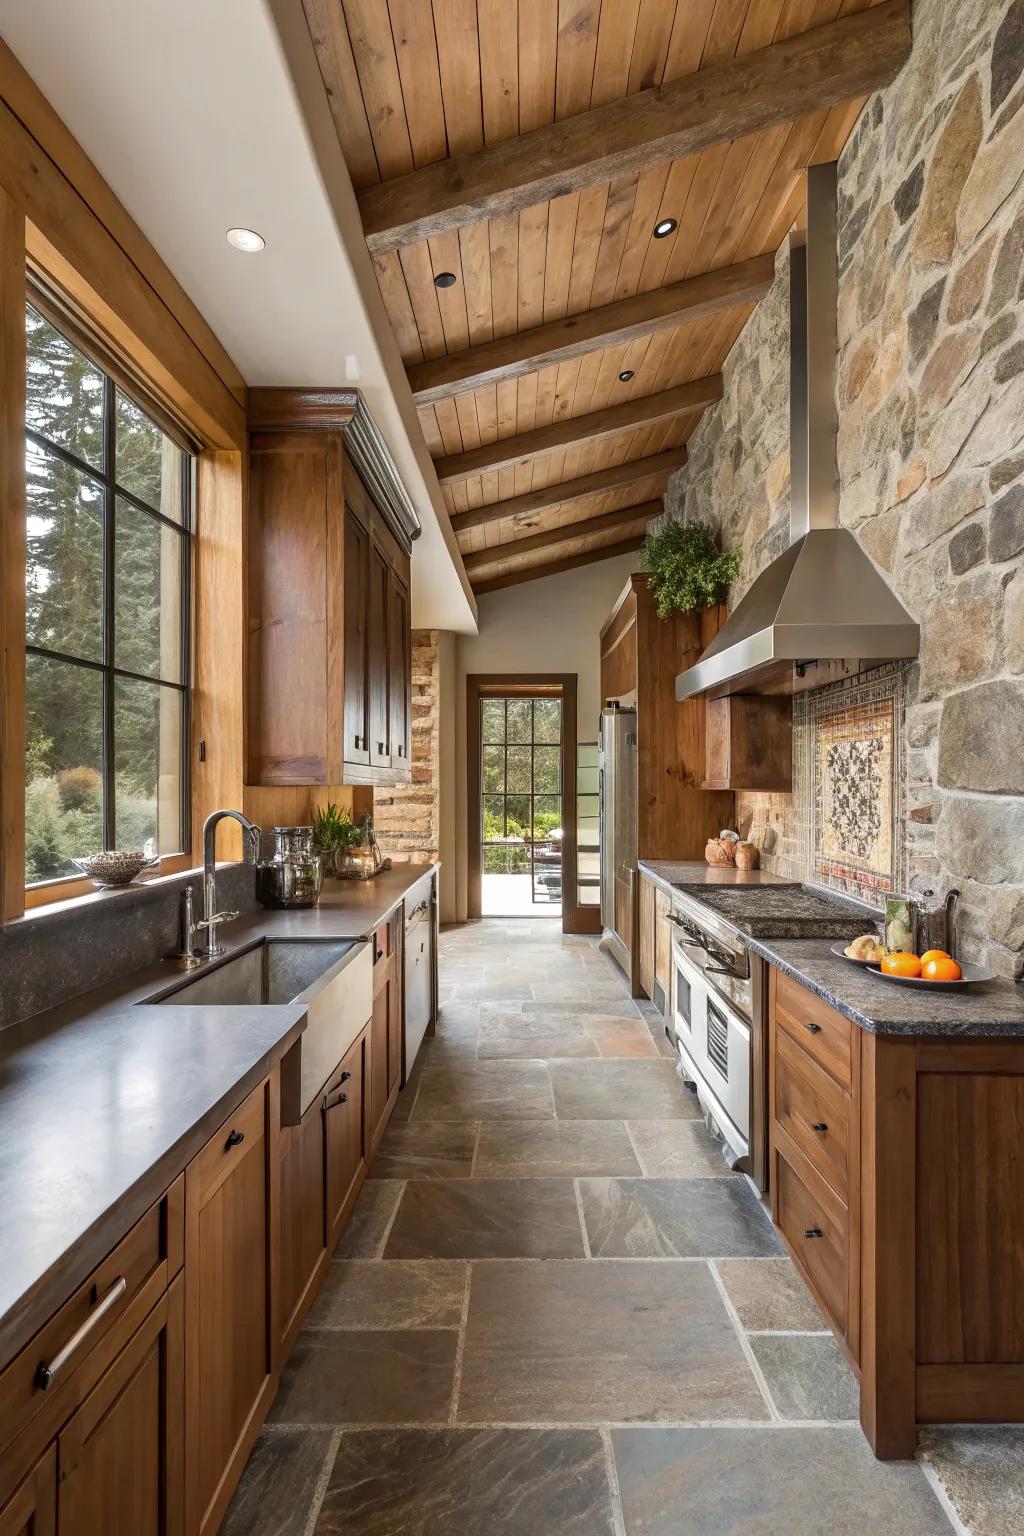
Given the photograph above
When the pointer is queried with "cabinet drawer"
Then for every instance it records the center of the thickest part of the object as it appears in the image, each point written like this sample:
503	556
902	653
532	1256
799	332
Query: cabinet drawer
146	1259
216	1162
814	1112
822	1032
817	1230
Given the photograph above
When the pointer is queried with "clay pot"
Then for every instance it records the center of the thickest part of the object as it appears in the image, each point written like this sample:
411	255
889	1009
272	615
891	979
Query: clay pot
747	856
719	851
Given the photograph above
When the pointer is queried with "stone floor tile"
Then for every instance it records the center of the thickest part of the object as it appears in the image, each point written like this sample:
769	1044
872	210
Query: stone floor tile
397	1376
487	1219
614	1090
464	1482
585	1343
369	1221
368	1294
678	1218
622	1046
607	1007
280	1481
512	1090
552	1149
679	1149
426	1149
768	1482
981	1468
536	1036
769	1294
807	1375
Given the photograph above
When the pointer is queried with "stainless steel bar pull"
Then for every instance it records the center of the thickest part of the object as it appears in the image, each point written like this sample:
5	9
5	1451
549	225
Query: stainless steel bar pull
46	1374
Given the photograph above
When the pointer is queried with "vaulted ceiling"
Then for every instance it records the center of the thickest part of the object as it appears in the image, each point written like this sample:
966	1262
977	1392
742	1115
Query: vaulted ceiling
528	149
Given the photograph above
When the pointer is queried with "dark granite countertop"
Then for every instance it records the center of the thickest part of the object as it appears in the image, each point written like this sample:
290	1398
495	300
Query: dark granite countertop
988	1008
694	875
103	1102
787	911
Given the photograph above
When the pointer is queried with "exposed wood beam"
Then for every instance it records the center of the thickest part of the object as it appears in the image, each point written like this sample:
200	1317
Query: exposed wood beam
570	563
777	84
645	411
612	325
633	472
566	533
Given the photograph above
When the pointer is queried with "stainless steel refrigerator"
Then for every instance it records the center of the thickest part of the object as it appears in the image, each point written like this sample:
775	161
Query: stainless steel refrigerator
618	783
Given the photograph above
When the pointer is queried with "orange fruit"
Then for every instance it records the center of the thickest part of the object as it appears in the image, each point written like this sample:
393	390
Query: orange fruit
900	963
940	968
933	954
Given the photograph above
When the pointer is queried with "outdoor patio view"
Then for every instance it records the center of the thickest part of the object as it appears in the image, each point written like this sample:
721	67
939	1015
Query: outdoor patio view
521	830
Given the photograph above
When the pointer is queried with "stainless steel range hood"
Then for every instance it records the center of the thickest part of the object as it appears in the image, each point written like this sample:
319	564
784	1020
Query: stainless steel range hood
823	599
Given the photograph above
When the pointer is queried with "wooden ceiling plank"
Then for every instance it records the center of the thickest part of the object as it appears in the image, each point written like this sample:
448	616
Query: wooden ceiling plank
562	212
738	216
554	567
618	477
615	35
551	538
395	292
458	56
333	49
503	243
475	261
538	49
498	24
593	203
612	325
619	212
412	28
776	84
445	253
630	416
650	193
578	22
725	32
373	48
650	44
677	190
419	277
796	153
759	25
533	237
689	38
733	170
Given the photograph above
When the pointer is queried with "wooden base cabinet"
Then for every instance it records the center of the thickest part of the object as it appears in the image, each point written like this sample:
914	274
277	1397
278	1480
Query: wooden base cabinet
230	1359
303	1234
386	1025
31	1509
654	943
346	1141
894	1187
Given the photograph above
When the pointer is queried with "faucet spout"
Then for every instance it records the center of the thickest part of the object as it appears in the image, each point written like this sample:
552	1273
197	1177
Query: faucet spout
211	917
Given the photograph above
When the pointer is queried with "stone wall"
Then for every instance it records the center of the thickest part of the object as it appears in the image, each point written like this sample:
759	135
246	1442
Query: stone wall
406	818
931	443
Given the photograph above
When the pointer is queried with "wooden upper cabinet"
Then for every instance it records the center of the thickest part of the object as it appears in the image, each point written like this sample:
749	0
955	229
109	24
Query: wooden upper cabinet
749	743
328	601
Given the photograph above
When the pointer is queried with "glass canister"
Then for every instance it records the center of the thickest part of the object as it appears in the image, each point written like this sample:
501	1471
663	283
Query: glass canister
293	875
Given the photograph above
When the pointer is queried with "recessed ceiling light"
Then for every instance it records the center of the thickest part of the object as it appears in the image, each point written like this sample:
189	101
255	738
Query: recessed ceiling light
245	240
625	375
444	280
664	227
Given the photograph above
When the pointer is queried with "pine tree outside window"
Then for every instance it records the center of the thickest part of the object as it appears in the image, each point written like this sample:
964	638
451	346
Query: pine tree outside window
109	504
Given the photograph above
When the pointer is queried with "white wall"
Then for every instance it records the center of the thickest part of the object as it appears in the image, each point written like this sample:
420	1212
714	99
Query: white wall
550	625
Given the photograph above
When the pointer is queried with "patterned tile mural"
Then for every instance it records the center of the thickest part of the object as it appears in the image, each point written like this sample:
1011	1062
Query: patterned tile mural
855	784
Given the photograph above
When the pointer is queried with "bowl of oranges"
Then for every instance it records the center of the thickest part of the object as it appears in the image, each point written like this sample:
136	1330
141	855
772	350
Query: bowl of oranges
935	968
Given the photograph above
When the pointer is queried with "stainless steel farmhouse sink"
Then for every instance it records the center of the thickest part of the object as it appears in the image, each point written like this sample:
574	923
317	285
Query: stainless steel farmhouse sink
332	981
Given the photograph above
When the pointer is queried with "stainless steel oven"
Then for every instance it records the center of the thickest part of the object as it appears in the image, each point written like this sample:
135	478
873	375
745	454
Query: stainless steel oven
716	1013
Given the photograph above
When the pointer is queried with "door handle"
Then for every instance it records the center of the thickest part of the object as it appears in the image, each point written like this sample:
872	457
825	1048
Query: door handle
45	1374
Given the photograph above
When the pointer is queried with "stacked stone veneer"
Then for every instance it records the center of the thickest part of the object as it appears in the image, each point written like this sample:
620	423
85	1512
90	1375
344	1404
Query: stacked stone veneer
931	443
406	818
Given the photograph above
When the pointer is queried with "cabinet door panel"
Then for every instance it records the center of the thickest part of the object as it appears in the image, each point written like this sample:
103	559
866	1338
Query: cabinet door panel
303	1237
228	1263
399	664
120	1456
345	1130
395	1019
32	1508
356	584
377	655
379	1063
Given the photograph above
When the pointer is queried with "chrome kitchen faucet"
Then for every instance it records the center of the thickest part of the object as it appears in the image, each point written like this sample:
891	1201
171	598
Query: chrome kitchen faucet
211	917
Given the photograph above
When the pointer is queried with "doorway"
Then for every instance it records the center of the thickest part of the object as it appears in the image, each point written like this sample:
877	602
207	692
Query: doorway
521	738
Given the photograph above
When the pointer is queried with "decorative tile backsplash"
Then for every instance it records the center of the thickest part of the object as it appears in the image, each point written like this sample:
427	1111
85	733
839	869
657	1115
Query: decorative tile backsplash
855	784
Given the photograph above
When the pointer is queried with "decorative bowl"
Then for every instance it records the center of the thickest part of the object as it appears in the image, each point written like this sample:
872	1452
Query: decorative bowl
114	868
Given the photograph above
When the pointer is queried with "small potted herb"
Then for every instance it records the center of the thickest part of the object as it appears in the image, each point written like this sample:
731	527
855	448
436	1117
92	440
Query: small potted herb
687	569
334	833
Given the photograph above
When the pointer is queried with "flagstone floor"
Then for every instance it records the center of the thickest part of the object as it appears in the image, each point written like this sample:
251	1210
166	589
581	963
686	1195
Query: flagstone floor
555	1312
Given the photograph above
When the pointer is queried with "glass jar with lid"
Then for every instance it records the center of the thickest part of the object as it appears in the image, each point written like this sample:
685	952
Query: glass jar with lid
293	875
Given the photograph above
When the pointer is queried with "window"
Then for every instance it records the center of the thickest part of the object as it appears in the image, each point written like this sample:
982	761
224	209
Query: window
521	797
106	671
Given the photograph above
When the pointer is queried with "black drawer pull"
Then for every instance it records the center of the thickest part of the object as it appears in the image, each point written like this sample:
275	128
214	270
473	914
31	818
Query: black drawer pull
345	1076
235	1139
815	1029
342	1098
360	743
380	749
813	1232
378	955
819	1125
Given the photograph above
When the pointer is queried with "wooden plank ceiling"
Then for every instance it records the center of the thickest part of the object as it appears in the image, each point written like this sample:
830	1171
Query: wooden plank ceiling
512	349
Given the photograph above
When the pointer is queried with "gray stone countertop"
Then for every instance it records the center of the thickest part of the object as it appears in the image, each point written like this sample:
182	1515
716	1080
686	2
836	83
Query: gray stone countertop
694	875
103	1102
883	1008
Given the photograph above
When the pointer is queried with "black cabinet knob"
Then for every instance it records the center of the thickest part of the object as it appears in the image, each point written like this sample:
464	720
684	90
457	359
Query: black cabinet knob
813	1232
819	1125
235	1138
814	1029
380	748
345	1076
378	955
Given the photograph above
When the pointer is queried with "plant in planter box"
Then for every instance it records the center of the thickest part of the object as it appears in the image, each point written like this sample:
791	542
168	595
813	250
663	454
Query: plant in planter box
333	832
687	569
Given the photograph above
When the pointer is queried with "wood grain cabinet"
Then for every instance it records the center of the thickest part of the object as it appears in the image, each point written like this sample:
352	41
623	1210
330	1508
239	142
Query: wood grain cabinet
329	638
31	1509
345	1136
303	1232
893	1185
385	1074
229	1304
749	743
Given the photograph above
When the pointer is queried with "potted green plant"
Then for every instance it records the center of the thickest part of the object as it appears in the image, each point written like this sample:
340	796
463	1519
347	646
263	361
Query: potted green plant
334	832
687	569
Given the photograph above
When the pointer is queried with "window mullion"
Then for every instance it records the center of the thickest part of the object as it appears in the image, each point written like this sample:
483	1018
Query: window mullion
109	442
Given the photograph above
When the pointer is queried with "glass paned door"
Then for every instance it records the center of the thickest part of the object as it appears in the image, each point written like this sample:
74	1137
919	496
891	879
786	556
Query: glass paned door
521	806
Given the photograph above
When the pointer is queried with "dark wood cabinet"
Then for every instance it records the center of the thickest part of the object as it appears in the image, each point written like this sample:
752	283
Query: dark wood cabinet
229	1264
120	1457
749	743
31	1509
303	1236
328	604
345	1136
